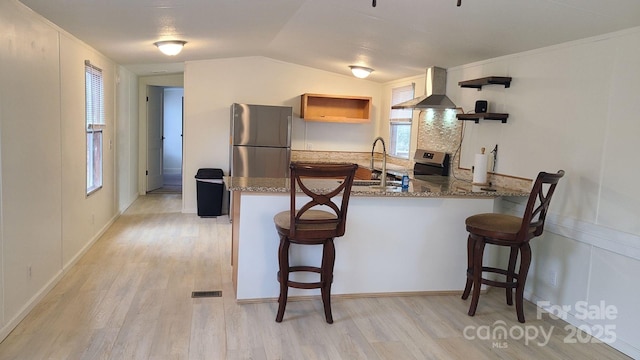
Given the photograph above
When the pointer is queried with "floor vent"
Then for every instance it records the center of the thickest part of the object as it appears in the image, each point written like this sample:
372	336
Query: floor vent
206	294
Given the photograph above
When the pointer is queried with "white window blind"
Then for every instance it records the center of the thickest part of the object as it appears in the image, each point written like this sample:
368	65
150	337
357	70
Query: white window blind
94	91
399	95
400	122
94	123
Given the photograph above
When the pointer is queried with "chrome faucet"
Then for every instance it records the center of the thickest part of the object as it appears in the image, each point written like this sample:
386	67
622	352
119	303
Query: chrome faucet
383	179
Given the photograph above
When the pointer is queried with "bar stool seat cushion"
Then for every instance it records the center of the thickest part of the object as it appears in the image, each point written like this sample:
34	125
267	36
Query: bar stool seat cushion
283	220
501	226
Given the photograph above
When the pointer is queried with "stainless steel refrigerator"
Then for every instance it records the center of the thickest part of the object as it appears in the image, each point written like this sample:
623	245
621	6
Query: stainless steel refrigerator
260	140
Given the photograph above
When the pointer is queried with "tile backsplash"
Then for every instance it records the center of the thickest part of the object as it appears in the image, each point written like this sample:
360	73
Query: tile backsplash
439	130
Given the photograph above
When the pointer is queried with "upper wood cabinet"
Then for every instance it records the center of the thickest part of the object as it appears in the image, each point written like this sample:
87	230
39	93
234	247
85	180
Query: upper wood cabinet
335	108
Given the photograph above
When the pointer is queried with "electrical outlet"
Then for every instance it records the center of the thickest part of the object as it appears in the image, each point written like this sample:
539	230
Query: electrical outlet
309	146
553	278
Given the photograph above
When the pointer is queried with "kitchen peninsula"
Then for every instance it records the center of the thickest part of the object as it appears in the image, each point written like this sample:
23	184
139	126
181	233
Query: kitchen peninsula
396	241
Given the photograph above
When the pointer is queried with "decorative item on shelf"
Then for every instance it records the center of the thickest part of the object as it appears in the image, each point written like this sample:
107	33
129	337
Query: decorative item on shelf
360	72
481	106
170	47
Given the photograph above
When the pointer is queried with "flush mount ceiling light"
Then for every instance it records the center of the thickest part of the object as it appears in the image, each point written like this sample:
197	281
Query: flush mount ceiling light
170	47
360	71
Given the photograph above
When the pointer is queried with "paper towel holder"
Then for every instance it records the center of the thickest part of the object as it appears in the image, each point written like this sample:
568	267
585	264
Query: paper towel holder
479	172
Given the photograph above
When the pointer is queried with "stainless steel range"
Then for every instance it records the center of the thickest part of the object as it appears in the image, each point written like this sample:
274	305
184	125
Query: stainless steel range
429	163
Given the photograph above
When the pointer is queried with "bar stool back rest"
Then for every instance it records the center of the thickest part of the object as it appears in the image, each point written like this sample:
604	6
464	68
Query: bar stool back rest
344	178
308	225
533	219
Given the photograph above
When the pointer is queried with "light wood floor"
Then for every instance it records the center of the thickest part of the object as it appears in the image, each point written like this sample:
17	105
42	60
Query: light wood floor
129	297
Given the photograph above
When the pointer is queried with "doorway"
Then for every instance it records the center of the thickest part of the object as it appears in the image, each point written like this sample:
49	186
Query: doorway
164	139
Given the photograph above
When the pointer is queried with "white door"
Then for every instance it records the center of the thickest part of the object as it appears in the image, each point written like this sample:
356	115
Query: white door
172	144
154	137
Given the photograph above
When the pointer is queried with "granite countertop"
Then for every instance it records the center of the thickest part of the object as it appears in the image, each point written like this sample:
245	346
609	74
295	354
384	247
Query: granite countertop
435	186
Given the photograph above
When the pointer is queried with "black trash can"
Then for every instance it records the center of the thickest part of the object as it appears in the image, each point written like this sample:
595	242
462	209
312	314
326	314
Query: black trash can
209	191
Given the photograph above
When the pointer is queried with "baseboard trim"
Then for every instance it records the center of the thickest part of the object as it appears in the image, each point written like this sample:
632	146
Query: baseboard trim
26	309
356	296
29	305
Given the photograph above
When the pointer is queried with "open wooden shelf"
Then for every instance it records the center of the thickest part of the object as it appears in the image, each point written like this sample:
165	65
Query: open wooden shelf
485	116
335	108
478	84
489	80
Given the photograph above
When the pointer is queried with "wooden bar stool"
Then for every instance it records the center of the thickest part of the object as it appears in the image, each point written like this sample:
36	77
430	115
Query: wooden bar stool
511	231
308	225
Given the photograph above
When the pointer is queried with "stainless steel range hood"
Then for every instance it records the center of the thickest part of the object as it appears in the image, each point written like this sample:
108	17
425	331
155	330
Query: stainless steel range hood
435	88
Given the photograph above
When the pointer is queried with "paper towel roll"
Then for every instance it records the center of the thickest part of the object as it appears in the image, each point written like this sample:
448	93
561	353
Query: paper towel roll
480	169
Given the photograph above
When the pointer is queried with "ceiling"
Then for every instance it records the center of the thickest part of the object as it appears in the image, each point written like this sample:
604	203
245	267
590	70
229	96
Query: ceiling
398	38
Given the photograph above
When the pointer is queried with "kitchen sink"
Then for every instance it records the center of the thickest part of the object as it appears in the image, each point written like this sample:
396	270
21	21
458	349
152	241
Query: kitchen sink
376	183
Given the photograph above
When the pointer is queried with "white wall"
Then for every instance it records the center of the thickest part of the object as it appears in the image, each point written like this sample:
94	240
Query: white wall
210	87
127	138
47	220
572	107
30	144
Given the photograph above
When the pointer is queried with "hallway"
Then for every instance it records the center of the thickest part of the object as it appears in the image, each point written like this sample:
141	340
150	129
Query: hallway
171	184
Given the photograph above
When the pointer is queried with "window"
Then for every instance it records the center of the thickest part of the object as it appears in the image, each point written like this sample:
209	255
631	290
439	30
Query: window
94	113
400	122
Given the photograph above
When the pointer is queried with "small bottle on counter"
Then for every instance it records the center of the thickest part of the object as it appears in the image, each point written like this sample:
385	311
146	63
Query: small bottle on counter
405	181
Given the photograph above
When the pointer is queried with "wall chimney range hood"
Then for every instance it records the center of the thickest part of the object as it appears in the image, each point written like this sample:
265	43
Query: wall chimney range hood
435	88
